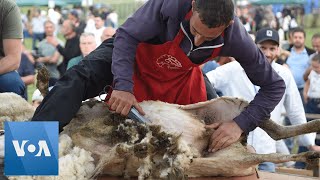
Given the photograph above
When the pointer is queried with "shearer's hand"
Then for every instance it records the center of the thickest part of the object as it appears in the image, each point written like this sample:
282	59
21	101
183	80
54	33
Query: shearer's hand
225	134
52	40
122	101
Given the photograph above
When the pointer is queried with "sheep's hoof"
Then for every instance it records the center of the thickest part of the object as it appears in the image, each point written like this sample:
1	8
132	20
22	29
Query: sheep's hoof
312	158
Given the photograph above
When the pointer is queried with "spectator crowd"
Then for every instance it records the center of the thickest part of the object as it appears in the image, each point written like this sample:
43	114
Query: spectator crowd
82	33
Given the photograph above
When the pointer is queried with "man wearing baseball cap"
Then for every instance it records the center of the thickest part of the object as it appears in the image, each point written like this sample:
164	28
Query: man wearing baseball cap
267	40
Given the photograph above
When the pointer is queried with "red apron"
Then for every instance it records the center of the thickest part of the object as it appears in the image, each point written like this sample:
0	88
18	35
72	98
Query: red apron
164	72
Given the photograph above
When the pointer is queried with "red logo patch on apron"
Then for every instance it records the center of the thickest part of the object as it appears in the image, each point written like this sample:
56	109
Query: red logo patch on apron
168	61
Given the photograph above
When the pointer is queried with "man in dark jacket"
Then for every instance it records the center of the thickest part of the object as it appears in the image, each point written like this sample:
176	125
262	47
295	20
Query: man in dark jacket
156	56
71	49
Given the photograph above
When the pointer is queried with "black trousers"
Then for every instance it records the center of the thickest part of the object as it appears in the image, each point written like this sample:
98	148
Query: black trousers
83	81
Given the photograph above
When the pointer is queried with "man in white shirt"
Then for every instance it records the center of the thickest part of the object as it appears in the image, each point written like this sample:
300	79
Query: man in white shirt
37	28
232	80
99	24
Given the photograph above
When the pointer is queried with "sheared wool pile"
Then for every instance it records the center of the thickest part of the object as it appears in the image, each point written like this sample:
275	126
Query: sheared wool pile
74	163
14	108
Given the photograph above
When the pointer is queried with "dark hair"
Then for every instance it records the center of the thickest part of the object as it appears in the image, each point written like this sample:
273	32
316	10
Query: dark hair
286	12
215	13
316	58
101	15
316	36
74	13
298	29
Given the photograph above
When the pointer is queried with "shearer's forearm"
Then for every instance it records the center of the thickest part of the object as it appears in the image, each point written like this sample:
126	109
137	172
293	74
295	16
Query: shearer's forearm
260	108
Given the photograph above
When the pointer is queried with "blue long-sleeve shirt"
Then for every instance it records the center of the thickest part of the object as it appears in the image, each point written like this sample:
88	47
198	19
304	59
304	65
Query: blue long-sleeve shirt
158	21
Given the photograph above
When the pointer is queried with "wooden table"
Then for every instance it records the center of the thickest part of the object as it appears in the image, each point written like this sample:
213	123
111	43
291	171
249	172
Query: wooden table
262	176
283	176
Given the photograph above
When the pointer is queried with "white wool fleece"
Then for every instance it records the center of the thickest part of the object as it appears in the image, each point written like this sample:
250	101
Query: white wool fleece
74	163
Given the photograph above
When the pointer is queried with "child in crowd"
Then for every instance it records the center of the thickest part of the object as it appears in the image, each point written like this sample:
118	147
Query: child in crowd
312	87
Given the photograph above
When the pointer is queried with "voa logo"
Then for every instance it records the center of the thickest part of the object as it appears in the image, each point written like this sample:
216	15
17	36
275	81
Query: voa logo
31	148
20	147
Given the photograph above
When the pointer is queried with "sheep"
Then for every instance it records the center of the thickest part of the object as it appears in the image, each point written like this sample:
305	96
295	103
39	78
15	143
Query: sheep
172	146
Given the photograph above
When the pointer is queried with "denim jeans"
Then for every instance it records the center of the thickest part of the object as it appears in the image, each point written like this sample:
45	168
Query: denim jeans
301	165
313	106
289	141
267	166
81	82
11	82
301	95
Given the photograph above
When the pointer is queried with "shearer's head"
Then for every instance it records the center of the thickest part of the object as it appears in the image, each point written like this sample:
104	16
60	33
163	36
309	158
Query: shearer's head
210	18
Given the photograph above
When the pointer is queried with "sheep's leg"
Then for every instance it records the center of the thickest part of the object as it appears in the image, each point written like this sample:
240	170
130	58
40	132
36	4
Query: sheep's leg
242	164
225	109
222	109
278	132
214	167
310	157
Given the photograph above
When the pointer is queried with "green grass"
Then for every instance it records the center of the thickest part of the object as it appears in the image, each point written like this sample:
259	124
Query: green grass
310	32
